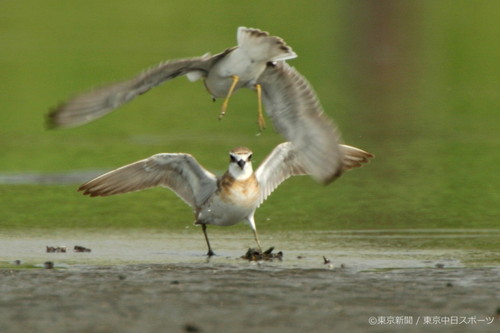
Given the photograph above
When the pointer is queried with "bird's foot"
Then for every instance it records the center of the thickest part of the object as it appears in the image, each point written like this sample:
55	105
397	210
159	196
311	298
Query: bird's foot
222	114
261	122
235	79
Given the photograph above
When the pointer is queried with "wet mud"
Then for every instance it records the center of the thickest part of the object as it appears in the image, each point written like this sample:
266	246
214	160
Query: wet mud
313	289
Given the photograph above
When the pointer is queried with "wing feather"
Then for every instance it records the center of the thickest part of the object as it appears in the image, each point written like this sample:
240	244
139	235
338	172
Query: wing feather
179	172
295	110
284	162
354	157
94	104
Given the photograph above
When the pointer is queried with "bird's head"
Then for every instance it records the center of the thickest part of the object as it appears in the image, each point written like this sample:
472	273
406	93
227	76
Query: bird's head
240	163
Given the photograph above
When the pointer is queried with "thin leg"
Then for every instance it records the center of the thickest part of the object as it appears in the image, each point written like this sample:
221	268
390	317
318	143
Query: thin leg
210	252
257	239
235	78
251	221
260	119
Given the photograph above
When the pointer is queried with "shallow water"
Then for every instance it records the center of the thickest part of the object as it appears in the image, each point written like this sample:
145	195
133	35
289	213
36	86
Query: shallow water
358	250
145	281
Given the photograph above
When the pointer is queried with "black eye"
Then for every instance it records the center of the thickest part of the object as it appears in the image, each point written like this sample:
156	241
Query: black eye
233	159
250	157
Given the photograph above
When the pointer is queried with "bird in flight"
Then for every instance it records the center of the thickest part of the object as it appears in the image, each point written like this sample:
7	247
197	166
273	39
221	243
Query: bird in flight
258	63
221	201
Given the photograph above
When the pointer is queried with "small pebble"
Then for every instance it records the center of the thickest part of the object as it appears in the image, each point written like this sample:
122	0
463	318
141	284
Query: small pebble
48	265
191	328
325	261
440	266
79	248
17	262
55	249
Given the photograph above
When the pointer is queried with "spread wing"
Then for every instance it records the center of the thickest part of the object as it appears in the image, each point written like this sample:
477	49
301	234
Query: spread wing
294	108
284	162
94	104
179	172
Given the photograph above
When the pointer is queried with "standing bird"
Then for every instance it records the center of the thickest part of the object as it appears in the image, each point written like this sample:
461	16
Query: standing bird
223	201
258	62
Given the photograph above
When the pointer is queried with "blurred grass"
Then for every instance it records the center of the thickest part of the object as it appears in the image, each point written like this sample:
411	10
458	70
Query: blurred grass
416	83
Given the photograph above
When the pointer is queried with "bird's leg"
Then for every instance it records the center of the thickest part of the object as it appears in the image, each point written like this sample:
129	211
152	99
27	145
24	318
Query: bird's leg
260	119
204	228
257	239
235	79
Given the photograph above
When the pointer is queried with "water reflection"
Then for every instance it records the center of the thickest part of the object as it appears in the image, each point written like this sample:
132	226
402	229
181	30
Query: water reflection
357	250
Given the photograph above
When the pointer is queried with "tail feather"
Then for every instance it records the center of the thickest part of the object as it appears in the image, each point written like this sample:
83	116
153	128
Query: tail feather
354	157
262	47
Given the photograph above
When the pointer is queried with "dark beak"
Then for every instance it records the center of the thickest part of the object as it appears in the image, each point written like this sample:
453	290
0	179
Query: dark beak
241	164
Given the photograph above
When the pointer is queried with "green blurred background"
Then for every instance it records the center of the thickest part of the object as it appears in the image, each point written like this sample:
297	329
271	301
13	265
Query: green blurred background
415	82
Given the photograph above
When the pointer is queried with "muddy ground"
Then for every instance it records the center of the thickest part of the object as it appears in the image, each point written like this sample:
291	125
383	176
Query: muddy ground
355	292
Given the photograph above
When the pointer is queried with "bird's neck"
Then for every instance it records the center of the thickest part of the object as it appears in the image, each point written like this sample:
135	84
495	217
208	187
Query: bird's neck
240	174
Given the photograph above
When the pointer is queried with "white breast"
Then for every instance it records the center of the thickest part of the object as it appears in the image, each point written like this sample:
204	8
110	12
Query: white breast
235	63
223	213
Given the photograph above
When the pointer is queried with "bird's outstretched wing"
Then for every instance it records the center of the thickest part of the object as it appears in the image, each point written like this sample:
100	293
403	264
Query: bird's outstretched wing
94	104
284	162
295	110
179	172
278	166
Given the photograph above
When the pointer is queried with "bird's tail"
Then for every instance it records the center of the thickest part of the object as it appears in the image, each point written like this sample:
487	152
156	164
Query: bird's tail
354	157
262	47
